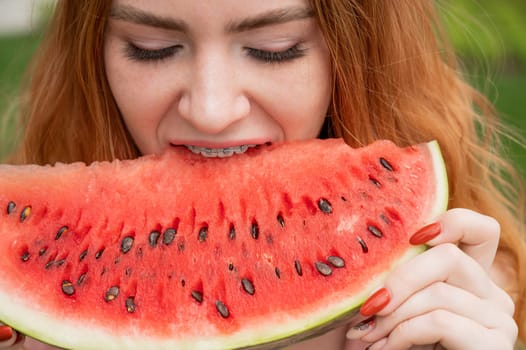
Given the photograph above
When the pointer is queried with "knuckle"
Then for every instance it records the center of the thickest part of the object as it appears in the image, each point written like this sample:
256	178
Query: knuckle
508	303
504	301
439	291
452	252
494	226
440	319
405	328
514	330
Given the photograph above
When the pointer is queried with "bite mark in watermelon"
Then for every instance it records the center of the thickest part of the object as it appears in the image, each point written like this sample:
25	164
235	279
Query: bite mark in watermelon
180	251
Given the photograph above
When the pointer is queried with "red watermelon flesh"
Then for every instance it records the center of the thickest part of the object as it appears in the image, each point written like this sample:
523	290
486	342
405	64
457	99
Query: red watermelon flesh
182	251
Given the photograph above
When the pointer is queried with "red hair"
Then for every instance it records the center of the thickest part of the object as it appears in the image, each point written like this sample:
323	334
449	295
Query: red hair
395	77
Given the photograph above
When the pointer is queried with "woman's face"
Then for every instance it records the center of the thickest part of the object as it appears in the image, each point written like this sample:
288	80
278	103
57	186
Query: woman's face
218	75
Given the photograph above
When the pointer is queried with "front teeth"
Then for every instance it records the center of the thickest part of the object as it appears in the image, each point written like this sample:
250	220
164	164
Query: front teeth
219	152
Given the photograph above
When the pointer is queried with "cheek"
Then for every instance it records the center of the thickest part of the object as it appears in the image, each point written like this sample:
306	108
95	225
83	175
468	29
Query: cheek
300	101
139	94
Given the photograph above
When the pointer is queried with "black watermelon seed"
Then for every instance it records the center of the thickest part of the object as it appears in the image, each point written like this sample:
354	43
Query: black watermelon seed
278	272
98	255
325	206
60	262
11	207
130	304
222	309
336	261
183	282
297	266
42	251
81	279
25	256
49	264
365	249
25	213
375	231
128	271
386	164
375	182
60	232
254	230
231	267
385	219
83	255
111	293
153	238
203	234
248	286
126	244
232	233
281	221
323	268
198	296
169	236
68	288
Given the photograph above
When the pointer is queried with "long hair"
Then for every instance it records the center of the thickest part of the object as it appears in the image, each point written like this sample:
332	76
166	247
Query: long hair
396	77
68	111
394	74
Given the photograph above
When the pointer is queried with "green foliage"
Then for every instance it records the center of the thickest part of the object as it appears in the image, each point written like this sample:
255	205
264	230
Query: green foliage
15	54
489	28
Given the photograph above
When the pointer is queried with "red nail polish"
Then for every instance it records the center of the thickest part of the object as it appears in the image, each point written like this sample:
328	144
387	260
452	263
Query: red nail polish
376	302
6	333
426	233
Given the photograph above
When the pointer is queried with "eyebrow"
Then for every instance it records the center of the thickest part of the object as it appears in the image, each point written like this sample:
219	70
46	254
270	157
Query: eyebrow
132	14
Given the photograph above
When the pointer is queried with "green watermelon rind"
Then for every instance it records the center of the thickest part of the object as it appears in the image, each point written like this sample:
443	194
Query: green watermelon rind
257	337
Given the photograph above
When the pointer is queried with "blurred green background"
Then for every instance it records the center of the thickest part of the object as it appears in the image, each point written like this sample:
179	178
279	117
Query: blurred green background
488	35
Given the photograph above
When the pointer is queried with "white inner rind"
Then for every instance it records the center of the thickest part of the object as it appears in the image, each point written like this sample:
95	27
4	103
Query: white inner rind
76	334
441	181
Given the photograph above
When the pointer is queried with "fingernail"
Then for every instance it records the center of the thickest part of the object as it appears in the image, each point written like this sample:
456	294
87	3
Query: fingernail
426	233
375	303
6	333
360	329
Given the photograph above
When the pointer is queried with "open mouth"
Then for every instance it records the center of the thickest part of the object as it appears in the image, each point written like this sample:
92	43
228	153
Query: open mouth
219	152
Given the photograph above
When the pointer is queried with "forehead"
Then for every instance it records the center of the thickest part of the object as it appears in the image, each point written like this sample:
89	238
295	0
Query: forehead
220	8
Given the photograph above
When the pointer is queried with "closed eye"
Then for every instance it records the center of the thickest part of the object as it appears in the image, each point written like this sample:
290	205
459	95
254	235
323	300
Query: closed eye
276	56
136	53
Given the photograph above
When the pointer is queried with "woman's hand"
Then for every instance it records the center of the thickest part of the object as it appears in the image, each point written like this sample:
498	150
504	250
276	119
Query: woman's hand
10	339
443	298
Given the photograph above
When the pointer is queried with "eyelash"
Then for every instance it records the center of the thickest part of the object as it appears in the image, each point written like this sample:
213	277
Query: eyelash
144	55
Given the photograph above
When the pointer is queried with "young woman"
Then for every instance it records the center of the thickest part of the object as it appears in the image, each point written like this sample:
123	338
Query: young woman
122	78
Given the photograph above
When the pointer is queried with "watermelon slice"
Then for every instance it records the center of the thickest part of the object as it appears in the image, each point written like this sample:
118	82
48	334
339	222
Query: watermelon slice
179	251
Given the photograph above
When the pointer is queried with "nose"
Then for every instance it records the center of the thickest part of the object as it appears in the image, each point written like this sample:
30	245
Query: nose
214	98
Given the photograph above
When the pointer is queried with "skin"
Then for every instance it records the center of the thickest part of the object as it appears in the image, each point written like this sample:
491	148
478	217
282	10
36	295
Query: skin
213	93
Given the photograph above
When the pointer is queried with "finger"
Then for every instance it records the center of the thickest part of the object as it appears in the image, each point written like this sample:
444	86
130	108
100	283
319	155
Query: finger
358	329
443	263
452	331
8	336
441	296
476	234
